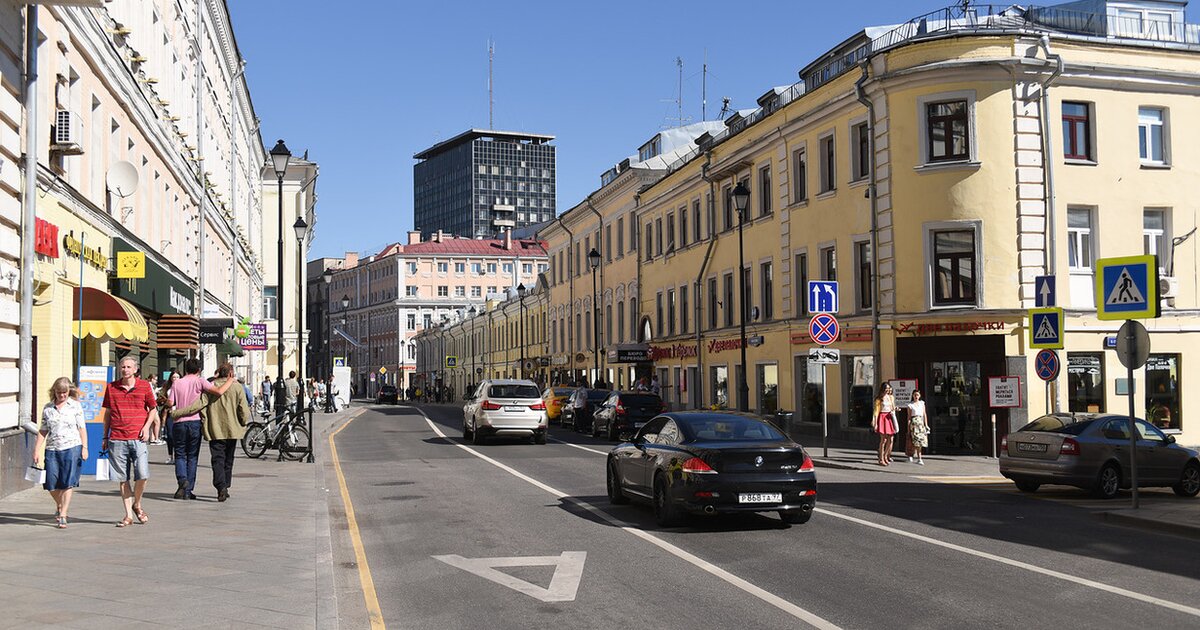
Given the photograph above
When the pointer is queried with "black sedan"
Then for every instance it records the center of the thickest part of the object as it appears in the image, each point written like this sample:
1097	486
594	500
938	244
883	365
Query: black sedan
701	462
577	411
625	412
387	394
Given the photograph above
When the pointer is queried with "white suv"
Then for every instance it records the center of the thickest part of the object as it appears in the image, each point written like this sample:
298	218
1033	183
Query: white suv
505	407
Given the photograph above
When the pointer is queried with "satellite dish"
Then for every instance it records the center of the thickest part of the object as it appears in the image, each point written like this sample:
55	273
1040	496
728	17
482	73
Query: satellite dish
122	179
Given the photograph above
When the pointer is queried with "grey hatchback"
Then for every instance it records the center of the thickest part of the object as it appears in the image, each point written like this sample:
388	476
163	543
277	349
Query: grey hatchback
1091	451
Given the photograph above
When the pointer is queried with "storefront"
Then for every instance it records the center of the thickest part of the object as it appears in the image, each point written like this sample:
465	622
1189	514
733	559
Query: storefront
167	304
625	361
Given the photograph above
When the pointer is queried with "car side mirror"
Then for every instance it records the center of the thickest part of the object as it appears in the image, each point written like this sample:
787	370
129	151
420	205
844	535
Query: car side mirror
1170	439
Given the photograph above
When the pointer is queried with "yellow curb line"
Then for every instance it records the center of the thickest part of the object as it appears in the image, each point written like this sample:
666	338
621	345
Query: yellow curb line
360	555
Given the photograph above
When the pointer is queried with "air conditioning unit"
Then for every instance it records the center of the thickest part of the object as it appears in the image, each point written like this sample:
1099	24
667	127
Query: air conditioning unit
68	128
1168	286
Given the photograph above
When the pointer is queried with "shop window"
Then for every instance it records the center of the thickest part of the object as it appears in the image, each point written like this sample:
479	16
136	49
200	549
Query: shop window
954	264
768	389
1077	131
860	384
1162	391
719	386
1085	381
810	401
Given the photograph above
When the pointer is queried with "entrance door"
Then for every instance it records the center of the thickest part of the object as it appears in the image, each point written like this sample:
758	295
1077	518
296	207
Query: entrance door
956	406
693	387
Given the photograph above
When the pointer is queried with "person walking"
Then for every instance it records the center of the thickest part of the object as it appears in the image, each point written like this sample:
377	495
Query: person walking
918	427
292	387
223	419
331	394
884	422
64	436
246	390
264	393
130	421
186	430
164	405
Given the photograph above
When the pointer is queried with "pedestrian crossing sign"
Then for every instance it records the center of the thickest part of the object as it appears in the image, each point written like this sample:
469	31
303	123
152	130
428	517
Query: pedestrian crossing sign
1127	287
1045	328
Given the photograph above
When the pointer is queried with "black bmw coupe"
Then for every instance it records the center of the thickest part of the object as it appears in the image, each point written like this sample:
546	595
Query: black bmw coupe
700	462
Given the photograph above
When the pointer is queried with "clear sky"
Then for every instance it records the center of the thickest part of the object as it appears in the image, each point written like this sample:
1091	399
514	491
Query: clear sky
363	85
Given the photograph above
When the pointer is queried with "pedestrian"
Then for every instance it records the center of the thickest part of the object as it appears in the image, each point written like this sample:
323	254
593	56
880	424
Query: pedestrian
186	429
246	390
884	422
64	436
130	421
292	391
264	393
331	393
164	405
918	428
223	419
655	388
642	385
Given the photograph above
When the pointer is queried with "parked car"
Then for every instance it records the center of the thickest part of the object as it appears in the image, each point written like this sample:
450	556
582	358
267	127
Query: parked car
505	407
625	412
555	397
387	394
577	412
704	462
1091	451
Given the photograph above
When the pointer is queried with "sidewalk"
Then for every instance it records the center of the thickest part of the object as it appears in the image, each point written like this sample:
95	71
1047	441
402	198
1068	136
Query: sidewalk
261	559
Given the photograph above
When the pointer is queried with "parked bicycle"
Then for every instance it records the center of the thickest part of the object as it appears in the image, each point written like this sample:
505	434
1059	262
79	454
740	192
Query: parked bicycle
285	432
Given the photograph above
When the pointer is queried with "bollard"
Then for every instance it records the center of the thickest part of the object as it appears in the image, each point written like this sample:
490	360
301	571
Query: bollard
994	454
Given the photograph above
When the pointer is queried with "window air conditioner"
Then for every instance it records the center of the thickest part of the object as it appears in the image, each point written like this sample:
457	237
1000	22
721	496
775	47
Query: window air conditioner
67	130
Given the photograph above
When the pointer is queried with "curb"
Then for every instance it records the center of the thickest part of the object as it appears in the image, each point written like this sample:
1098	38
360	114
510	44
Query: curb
1150	524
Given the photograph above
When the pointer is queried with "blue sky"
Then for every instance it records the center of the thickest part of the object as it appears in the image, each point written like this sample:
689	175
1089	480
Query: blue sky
365	84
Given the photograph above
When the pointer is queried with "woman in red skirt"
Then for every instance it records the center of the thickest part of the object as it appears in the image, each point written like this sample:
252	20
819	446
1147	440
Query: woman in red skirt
884	422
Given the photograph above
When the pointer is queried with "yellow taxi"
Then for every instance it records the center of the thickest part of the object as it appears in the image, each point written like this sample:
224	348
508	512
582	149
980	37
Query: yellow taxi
554	397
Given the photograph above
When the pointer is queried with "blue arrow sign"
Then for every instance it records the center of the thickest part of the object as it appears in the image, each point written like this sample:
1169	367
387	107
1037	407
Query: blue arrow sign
1043	292
822	296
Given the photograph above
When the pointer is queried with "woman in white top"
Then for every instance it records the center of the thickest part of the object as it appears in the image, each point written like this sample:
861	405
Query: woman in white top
884	422
918	427
64	435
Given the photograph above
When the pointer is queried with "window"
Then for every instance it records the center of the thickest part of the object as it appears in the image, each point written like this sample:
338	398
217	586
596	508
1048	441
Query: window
1154	234
764	190
727	197
412	321
683	226
712	303
1162	391
671	312
526	268
683	309
1077	131
767	288
696	221
799	175
658	236
477	268
1079	240
270	303
412	267
410	291
670	232
719	386
633	235
1085	381
829	263
443	291
476	292
862	256
443	267
620	237
860	147
659	321
427	320
460	291
954	267
828	168
801	274
648	251
608	322
1151	135
508	268
491	268
946	131
748	298
620	322
608	243
729	306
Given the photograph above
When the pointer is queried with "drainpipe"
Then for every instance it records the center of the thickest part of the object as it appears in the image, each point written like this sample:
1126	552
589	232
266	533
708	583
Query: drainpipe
203	196
597	301
861	93
233	296
698	293
571	304
1048	177
28	220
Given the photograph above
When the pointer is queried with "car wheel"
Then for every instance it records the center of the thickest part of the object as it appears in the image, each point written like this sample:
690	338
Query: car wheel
476	438
1108	482
795	517
1027	486
466	431
539	438
665	510
615	495
1189	481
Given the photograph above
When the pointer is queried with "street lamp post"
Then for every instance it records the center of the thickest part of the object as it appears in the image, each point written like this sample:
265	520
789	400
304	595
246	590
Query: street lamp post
279	161
741	198
346	305
301	227
594	263
521	313
474	375
326	359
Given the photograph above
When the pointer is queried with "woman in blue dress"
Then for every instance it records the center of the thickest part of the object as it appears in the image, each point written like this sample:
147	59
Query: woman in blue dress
64	436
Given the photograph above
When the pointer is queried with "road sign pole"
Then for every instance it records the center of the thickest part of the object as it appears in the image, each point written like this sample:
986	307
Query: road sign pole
1133	476
824	414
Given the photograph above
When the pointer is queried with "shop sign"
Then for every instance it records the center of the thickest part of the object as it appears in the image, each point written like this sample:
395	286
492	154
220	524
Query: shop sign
159	291
721	345
1004	391
257	339
676	351
212	331
131	265
560	359
629	353
543	362
580	357
92	255
755	341
941	327
45	238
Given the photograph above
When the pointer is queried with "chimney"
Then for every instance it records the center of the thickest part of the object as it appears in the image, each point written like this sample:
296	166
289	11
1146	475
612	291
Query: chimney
414	237
437	238
507	239
351	260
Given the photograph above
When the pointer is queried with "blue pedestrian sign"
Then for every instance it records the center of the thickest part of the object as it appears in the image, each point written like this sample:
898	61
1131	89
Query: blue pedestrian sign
1127	287
823	328
1045	328
1043	292
822	296
1046	365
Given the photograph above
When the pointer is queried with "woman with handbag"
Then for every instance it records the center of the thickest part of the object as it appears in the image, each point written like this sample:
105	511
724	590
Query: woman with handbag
918	427
64	435
883	422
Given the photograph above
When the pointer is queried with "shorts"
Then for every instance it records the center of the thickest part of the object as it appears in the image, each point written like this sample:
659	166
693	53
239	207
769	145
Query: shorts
63	468
129	460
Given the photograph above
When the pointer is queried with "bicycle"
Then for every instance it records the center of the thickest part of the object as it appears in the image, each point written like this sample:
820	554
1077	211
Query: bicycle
288	436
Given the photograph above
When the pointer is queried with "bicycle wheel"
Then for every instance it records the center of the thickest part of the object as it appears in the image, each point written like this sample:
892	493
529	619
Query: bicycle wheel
254	443
295	444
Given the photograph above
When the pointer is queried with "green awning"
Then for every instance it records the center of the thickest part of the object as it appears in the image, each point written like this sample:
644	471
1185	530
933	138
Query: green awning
230	348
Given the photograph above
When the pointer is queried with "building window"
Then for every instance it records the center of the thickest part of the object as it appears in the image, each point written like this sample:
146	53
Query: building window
671	312
410	291
748	298
427	320
659	320
862	255
712	303
620	236
1162	391
658	236
764	190
491	268
649	249
633	235
946	131
591	332
270	303
620	321
696	221
477	268
508	268
801	274
670	232
729	306
767	289
607	323
412	267
799	175
476	292
1154	234
727	199
683	226
460	291
1152	135
1077	131
954	267
1079	240
860	146
828	167
443	291
829	263
1085	381
412	321
608	243
443	267
683	309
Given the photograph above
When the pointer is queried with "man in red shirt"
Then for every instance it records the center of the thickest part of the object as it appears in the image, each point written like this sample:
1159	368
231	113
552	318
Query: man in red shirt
130	420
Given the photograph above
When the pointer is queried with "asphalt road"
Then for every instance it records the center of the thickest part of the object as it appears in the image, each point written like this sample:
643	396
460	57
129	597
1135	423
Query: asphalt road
437	515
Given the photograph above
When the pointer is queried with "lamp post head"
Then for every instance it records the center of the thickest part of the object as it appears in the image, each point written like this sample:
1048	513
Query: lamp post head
300	227
345	302
521	290
279	158
741	197
593	259
327	276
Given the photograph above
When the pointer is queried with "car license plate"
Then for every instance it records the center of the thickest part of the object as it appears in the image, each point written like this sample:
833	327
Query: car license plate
760	497
514	408
1027	447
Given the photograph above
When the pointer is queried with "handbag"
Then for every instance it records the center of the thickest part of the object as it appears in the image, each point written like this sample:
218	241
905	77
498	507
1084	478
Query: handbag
35	474
103	468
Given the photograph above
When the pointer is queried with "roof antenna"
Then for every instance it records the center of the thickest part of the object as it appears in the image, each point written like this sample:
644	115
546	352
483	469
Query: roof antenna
724	107
704	89
679	101
491	95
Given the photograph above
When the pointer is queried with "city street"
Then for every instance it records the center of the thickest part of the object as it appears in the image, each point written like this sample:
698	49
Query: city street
436	515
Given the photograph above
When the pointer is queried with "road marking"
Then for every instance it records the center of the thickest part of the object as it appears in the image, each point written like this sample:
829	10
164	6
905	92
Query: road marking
374	613
579	446
568	569
965	480
751	589
1021	565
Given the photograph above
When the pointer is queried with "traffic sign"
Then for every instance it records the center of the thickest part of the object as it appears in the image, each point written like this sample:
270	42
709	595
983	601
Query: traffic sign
1043	292
1133	345
822	296
451	361
382	370
339	361
824	356
1127	287
1047	365
824	328
1045	328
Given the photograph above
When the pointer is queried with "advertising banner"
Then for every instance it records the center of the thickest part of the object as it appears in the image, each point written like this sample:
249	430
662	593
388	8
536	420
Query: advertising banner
257	339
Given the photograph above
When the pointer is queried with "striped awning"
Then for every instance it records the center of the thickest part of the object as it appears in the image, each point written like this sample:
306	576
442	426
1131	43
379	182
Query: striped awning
106	317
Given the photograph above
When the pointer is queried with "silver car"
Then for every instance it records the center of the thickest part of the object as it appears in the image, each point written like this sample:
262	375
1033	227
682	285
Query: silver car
505	407
1091	451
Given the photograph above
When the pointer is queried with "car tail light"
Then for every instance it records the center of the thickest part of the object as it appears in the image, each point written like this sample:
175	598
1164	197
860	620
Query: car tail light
620	409
697	465
539	406
808	493
704	494
1004	444
1069	447
807	466
489	406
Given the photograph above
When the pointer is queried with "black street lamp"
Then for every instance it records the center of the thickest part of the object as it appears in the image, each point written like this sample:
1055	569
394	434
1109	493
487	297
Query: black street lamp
521	311
474	378
741	199
594	263
279	161
300	228
326	359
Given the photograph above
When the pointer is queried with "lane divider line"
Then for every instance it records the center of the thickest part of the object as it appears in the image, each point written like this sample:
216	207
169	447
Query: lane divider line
745	586
371	598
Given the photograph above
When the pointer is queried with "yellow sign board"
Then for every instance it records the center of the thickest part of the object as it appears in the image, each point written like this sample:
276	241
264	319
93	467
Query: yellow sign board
131	265
382	370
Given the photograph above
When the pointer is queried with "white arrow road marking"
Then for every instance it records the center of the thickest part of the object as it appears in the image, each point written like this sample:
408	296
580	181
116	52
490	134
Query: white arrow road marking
568	569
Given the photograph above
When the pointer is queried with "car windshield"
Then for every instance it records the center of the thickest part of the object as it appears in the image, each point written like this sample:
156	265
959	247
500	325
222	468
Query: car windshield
515	390
1056	424
730	429
641	400
597	394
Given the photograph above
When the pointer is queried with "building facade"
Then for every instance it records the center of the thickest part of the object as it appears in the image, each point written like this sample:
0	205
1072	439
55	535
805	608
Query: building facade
480	183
